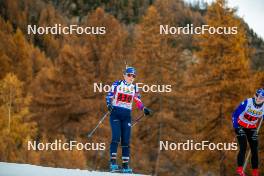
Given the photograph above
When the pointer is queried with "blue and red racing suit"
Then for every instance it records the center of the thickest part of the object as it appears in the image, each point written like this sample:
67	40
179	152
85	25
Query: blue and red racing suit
245	119
247	114
121	97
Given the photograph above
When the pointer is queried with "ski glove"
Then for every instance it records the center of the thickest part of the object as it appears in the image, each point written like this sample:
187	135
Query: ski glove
110	107
147	111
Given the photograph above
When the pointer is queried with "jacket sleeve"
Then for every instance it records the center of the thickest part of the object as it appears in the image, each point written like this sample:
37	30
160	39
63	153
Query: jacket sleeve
240	109
111	93
137	99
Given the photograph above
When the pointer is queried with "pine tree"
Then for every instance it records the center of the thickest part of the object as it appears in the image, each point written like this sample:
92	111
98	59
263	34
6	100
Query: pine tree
21	60
61	92
17	55
50	43
107	50
159	62
221	80
15	126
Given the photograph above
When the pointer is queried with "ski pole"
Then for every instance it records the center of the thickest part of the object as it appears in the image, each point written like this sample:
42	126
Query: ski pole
248	154
137	120
102	119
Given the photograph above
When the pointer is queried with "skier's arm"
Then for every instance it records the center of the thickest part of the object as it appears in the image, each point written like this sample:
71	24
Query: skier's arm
237	112
138	101
111	93
140	105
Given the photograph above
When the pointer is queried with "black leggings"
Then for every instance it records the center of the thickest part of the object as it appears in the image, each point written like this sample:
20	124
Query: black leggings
250	135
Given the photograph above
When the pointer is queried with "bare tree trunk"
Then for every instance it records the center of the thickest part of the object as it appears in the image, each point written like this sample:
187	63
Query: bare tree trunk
158	153
222	154
9	110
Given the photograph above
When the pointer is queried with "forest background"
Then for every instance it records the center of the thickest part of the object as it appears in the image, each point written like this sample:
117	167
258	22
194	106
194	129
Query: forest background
46	81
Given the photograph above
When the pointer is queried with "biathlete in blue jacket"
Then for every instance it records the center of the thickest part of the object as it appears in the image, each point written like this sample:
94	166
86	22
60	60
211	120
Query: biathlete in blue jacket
119	102
245	119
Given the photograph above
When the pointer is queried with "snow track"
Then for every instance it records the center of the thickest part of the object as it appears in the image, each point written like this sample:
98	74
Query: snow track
13	169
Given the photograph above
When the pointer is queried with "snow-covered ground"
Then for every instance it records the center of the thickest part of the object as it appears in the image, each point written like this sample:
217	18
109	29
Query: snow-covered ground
13	169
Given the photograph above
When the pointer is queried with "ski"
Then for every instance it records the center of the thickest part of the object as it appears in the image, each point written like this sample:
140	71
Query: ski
121	172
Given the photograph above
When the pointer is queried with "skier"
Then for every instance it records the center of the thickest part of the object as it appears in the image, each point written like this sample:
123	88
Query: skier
245	119
119	102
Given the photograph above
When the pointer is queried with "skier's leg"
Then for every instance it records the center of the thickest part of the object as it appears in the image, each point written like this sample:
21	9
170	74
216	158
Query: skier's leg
242	141
125	141
115	127
253	142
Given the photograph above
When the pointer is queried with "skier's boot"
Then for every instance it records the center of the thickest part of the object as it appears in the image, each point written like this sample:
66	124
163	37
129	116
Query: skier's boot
126	168
240	172
113	166
255	172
